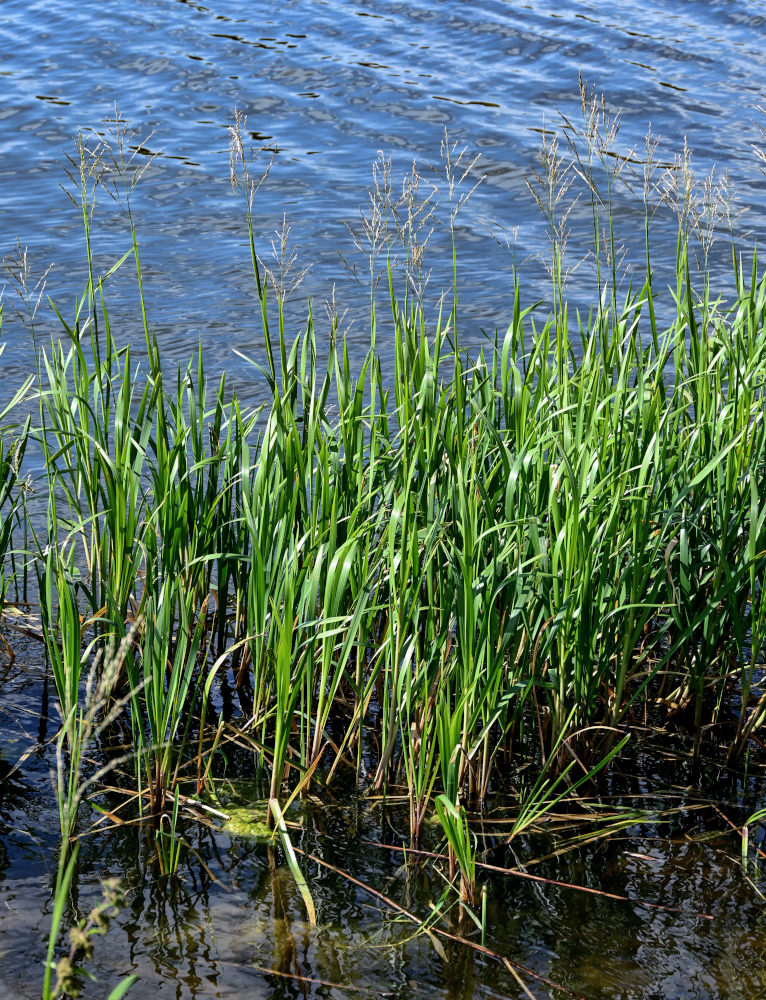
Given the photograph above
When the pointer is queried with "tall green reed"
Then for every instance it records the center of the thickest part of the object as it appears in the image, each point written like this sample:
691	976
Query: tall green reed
13	442
438	563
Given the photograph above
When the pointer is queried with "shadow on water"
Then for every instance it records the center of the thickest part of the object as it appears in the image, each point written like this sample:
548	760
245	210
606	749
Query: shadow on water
661	907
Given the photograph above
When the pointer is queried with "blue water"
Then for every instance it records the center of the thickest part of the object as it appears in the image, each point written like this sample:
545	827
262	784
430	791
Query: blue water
329	84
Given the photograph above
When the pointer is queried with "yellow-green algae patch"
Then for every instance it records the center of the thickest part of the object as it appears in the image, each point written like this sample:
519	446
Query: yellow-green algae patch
245	821
245	812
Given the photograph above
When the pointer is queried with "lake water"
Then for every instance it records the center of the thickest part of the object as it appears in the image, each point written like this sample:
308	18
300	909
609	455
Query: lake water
329	84
684	922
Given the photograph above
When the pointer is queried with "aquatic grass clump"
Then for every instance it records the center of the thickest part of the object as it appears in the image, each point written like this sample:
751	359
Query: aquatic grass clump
13	442
545	557
421	578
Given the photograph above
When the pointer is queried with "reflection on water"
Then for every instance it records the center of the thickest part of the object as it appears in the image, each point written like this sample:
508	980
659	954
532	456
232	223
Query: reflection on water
671	913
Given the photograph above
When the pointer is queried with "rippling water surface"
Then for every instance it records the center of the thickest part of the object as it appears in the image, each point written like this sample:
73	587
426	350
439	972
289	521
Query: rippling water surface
329	84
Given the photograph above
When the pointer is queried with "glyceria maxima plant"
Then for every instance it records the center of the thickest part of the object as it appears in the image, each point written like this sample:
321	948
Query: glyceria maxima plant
13	441
427	571
82	726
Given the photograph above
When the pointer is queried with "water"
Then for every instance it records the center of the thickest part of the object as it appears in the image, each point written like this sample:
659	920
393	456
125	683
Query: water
232	924
328	85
